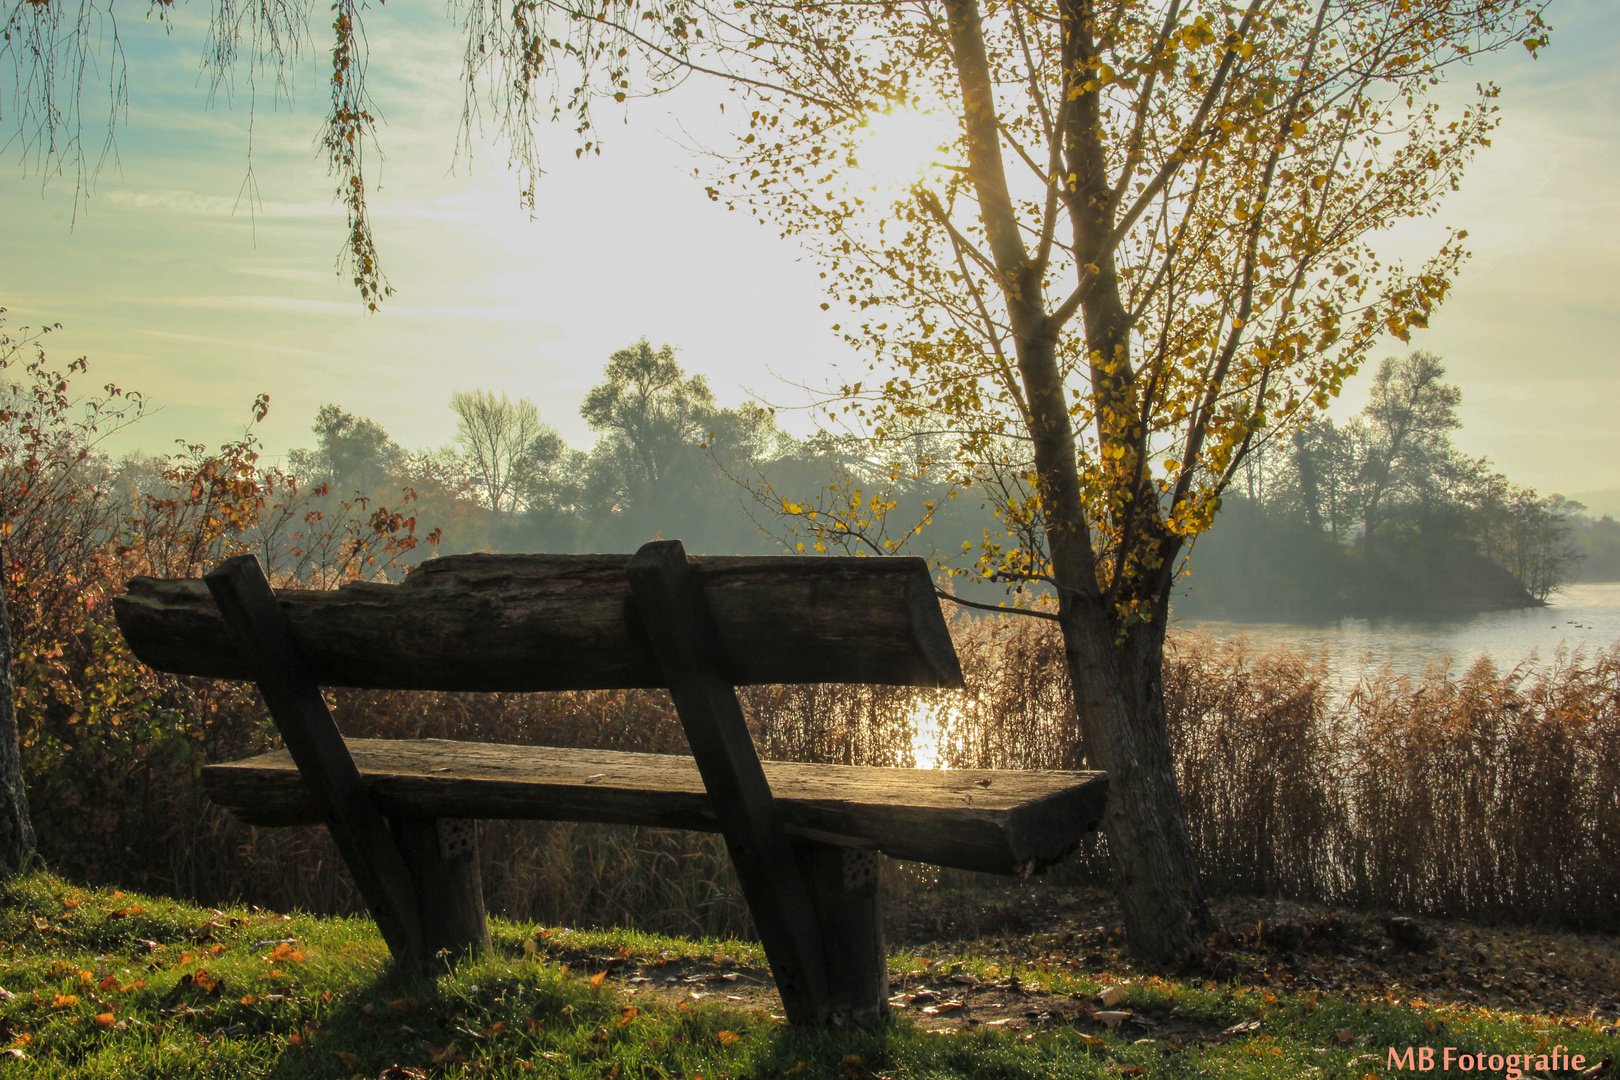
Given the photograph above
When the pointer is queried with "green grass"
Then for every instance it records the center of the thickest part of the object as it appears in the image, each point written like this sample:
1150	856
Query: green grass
105	985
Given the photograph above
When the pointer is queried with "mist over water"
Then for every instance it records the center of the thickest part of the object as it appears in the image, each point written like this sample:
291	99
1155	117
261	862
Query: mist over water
1585	616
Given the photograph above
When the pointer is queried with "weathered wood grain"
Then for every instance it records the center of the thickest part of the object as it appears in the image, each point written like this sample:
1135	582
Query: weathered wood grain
1002	822
449	890
844	889
568	622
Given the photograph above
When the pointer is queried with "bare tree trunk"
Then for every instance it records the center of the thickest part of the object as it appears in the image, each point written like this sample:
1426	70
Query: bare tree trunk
1119	694
1119	697
16	831
1117	687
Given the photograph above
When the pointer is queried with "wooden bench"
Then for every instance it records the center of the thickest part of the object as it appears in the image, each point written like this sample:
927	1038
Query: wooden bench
805	839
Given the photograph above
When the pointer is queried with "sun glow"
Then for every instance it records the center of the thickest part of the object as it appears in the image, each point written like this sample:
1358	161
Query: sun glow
928	724
897	148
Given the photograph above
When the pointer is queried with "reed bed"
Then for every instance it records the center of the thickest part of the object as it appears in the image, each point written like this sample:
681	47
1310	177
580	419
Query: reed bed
1486	793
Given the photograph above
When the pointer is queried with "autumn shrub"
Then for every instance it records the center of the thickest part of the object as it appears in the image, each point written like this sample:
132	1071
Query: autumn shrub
111	749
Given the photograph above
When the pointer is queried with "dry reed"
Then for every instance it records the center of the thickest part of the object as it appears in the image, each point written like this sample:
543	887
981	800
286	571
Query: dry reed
1481	794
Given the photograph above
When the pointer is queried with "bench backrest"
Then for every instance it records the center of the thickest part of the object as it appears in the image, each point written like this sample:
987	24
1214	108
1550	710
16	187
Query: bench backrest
569	622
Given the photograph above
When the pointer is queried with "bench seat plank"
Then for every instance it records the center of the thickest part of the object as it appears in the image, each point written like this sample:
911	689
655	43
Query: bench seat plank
998	821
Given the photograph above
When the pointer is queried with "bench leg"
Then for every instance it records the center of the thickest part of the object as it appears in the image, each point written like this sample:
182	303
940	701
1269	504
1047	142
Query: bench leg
843	885
442	857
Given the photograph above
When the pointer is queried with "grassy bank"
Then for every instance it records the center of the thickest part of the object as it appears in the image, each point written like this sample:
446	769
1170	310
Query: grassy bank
100	984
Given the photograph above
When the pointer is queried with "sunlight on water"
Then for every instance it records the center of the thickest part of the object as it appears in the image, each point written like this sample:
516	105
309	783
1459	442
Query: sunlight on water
929	722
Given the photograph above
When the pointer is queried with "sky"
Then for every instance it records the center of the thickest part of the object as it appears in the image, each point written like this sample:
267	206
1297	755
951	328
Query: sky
175	281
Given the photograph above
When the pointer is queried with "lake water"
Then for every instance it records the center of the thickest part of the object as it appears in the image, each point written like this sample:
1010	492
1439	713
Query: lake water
1583	616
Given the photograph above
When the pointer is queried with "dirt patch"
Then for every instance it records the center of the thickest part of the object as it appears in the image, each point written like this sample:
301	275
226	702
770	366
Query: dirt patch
1307	947
673	978
1261	943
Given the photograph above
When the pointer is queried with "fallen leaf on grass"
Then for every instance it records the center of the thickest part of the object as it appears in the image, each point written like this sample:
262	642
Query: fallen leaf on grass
106	1020
627	1014
726	1038
109	983
1112	995
1112	1019
1244	1026
596	980
351	1060
62	1001
13	1053
1090	1041
402	1072
439	1054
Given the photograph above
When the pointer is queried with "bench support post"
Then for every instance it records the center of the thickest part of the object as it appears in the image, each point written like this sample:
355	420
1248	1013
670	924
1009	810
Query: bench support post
844	891
362	835
681	630
442	857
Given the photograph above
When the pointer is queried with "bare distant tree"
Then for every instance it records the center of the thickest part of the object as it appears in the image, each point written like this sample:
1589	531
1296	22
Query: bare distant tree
1406	430
504	443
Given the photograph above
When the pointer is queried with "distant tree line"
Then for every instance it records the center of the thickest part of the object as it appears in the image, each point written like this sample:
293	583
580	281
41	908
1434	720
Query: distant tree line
1383	512
668	461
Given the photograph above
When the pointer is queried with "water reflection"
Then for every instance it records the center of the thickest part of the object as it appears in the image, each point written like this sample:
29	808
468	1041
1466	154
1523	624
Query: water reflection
1585	617
928	725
